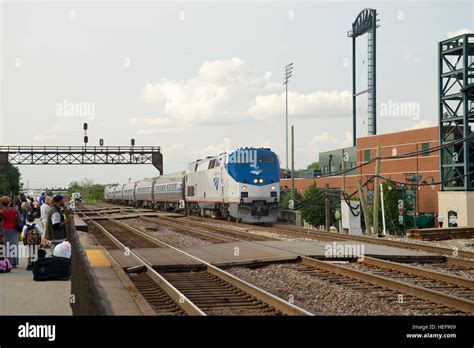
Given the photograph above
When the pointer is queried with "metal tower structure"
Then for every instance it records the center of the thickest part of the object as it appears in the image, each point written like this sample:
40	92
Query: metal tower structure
456	112
365	23
81	155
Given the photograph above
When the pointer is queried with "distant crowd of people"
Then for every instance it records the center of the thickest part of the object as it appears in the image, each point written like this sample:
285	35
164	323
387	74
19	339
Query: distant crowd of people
41	222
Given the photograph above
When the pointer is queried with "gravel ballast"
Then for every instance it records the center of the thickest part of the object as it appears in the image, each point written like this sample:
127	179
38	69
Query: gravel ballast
315	295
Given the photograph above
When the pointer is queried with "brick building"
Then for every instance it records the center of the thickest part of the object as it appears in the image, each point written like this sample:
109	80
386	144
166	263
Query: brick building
392	144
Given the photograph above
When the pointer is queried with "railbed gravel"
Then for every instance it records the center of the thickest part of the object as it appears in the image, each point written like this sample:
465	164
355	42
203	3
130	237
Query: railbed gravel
315	295
168	235
462	244
442	268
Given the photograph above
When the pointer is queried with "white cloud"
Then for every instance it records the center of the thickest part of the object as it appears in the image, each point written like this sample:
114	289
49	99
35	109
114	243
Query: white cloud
229	90
317	104
215	149
326	142
459	32
421	124
155	125
321	142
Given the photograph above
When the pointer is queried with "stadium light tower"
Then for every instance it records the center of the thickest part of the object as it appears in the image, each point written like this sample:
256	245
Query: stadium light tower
288	74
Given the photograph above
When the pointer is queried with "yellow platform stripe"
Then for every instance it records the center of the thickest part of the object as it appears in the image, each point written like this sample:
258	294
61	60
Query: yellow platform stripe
97	258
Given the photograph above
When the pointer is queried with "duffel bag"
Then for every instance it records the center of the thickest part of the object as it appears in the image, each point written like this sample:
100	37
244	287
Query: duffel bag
52	268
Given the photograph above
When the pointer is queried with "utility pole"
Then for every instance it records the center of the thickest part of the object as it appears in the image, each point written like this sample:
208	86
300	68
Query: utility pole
365	210
343	172
288	74
384	233
292	162
377	192
328	208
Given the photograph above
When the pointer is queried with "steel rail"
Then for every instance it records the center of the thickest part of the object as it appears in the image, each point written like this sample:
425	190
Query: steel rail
460	304
178	297
264	296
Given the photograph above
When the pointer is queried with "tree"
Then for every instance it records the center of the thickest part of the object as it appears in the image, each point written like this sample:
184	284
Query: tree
313	210
313	166
392	194
10	180
89	191
286	199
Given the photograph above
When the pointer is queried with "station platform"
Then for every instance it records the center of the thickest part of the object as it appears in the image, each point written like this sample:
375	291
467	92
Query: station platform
80	224
21	295
121	294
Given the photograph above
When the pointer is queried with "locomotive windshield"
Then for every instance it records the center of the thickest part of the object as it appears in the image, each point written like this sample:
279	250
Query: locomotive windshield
266	158
248	165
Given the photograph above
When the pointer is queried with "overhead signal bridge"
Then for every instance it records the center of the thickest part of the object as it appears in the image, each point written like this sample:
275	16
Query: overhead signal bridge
71	155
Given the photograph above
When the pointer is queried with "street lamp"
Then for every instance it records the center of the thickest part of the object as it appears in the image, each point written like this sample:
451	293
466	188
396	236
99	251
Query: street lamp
288	74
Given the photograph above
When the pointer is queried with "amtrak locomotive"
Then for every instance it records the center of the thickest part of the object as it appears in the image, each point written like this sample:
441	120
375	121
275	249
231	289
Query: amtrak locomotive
243	184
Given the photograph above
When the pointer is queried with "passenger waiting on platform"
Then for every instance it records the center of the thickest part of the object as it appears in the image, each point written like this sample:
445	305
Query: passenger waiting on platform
31	235
42	198
44	211
10	236
36	206
25	208
56	222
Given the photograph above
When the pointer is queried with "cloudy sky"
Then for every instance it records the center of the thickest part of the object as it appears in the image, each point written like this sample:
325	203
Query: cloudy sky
198	78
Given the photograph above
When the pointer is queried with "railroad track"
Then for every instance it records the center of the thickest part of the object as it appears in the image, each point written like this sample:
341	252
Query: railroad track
464	262
430	285
453	265
207	291
217	232
441	292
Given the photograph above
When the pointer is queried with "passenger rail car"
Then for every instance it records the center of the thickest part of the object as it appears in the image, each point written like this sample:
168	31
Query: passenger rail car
243	184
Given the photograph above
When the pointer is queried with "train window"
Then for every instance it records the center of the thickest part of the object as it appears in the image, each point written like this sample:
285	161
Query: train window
266	159
211	164
217	163
190	191
196	167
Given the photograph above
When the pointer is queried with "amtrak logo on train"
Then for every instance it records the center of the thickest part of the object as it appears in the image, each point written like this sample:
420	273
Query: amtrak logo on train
216	180
256	171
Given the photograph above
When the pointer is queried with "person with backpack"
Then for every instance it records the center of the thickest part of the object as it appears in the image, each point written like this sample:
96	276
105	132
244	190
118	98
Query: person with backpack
24	208
31	235
56	224
10	216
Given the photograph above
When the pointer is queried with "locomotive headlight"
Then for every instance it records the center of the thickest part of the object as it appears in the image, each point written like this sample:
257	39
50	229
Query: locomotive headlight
273	188
260	180
255	181
244	188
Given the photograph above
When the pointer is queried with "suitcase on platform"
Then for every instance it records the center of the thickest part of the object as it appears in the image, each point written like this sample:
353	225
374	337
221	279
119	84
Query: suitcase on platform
52	268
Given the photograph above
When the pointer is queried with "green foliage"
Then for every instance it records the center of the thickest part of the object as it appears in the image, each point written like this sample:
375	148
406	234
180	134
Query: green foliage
391	194
89	191
286	199
313	210
313	166
9	180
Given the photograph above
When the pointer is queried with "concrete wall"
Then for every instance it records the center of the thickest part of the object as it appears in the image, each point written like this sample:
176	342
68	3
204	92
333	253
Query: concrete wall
460	202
